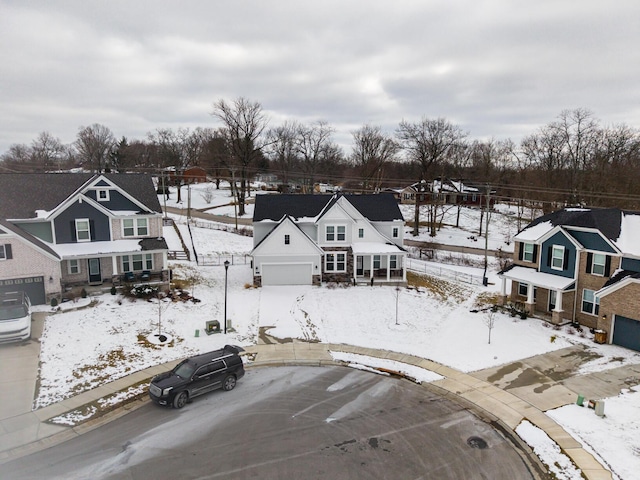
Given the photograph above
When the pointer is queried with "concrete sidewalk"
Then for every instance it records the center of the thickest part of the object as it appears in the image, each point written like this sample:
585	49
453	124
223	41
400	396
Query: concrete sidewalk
28	432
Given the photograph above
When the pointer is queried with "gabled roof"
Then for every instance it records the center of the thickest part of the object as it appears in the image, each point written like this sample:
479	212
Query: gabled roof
620	227
6	226
617	281
378	207
607	220
21	194
283	220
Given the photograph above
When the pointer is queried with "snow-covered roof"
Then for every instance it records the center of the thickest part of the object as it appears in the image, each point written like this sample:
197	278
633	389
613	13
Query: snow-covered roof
538	279
82	249
373	247
531	234
628	241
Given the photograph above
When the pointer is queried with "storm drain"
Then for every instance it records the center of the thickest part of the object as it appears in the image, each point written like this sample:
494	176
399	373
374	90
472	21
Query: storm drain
476	442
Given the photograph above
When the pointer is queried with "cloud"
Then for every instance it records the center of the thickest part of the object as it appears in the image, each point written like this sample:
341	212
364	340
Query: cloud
498	68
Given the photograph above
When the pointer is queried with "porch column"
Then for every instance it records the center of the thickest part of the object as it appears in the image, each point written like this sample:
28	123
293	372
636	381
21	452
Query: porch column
114	264
556	313
530	302
370	266
388	268
503	291
558	307
404	267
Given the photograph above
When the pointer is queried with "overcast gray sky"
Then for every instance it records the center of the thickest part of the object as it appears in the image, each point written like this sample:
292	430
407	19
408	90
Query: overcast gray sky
498	68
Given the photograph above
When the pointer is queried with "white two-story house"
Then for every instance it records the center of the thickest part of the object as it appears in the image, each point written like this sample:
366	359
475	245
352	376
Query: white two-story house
309	239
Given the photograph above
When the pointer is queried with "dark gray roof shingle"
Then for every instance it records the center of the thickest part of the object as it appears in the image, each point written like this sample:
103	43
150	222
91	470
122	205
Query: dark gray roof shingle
375	207
21	194
607	220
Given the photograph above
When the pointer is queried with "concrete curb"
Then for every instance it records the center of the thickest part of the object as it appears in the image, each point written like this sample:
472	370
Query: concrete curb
499	407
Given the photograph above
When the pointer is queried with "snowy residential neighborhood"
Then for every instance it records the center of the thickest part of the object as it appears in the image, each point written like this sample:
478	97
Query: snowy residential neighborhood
438	309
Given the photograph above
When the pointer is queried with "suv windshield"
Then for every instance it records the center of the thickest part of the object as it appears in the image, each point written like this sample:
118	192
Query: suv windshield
11	312
184	370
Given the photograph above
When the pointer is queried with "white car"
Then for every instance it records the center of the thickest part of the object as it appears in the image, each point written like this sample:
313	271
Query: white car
15	316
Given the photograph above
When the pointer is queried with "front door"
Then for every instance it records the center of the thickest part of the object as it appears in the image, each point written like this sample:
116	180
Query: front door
359	266
553	295
94	270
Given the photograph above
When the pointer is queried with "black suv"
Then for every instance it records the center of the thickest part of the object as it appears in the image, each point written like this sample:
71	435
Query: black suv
197	375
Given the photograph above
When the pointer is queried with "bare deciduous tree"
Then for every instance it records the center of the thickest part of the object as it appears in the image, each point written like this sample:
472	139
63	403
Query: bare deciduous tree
244	124
94	145
314	146
47	152
282	150
372	150
427	143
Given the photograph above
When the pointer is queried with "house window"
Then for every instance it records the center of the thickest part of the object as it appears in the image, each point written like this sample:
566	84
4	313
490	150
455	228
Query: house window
553	298
73	266
393	262
135	227
527	252
590	303
523	289
598	265
138	262
557	257
376	262
335	262
396	232
83	231
3	255
287	239
361	233
103	195
336	233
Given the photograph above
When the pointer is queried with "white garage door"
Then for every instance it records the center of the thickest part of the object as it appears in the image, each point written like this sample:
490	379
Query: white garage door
287	274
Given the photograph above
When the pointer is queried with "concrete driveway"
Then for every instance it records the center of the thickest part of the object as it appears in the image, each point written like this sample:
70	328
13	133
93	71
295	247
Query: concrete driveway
18	378
550	380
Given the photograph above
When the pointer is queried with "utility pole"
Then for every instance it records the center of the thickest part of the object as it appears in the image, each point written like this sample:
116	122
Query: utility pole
485	281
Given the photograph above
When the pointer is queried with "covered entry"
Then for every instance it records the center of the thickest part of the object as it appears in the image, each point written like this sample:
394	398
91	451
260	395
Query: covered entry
286	274
626	332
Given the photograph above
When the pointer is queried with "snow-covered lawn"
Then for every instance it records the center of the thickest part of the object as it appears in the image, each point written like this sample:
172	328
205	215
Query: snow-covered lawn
84	348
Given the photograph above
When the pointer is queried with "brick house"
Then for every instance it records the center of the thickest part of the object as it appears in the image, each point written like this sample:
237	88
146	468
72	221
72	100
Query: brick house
62	230
309	239
582	266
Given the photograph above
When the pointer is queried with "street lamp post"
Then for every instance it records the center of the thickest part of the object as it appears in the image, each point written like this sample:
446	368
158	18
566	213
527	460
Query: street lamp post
226	271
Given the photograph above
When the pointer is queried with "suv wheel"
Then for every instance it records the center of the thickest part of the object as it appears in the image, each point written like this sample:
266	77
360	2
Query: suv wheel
180	400
229	383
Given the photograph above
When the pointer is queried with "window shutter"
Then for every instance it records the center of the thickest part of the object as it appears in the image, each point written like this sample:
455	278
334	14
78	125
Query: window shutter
72	224
565	264
549	252
535	253
520	251
589	262
92	230
7	251
607	266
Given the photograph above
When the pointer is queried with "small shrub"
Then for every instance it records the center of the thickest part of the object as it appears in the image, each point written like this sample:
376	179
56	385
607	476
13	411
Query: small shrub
113	290
553	338
54	302
546	325
571	330
83	293
247	286
556	327
523	315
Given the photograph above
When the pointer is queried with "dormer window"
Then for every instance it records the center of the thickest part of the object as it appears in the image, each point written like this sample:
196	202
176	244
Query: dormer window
361	233
102	195
396	232
287	239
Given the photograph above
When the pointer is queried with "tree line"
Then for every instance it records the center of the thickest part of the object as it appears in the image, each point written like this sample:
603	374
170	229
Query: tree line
572	160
